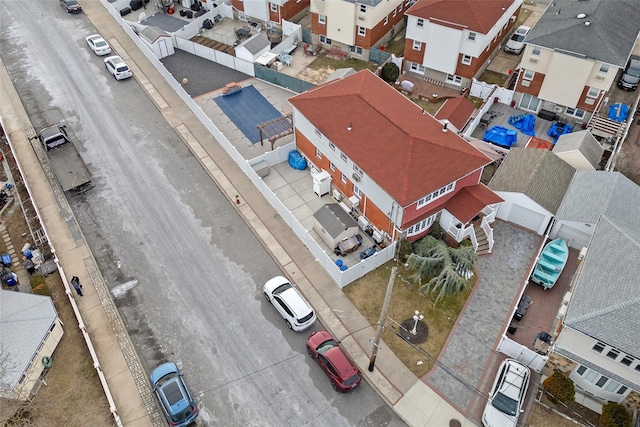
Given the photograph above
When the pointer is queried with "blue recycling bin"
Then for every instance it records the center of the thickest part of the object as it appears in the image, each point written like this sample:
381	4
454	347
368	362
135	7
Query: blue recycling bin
6	260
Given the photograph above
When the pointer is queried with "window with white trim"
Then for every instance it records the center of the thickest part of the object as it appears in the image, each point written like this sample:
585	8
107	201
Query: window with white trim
575	112
386	20
466	59
599	347
600	381
420	22
421	226
318	153
593	92
435	195
343	157
343	178
417	68
456	80
357	50
472	36
274	7
322	19
332	146
363	8
357	170
395	11
332	166
357	192
536	51
417	45
627	360
362	31
528	75
604	68
324	39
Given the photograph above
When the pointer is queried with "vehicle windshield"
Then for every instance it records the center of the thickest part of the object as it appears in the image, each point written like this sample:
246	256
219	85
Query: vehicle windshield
122	69
101	43
326	346
505	404
280	289
517	38
351	380
176	418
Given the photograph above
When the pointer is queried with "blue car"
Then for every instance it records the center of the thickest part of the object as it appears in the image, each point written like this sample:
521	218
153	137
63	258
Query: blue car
178	406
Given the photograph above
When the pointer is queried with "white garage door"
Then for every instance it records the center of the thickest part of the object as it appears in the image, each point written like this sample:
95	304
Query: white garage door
526	217
575	238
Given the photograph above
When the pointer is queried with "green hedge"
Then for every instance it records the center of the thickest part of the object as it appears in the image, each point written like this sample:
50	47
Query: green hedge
559	388
615	415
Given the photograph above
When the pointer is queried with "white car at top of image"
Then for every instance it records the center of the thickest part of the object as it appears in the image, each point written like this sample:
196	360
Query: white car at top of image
296	311
98	45
117	67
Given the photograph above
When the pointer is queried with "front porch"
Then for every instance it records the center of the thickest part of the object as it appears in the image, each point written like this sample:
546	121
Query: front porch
478	230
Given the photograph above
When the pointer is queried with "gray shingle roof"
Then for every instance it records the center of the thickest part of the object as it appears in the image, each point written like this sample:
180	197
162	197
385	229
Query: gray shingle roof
25	320
256	43
539	174
582	142
334	219
610	36
605	303
152	33
592	193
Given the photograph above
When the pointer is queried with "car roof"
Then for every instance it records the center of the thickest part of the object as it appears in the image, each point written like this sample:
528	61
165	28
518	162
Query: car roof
523	29
340	361
295	301
514	379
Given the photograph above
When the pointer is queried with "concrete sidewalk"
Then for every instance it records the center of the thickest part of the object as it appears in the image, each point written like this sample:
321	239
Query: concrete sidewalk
414	401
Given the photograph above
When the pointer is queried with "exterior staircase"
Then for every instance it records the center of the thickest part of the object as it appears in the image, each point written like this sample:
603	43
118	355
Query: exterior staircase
483	242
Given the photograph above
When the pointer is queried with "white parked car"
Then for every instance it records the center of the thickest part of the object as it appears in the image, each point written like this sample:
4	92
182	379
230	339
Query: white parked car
295	310
506	397
516	42
98	45
117	67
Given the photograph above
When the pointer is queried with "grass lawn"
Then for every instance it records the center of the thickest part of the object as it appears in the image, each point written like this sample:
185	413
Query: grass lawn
367	294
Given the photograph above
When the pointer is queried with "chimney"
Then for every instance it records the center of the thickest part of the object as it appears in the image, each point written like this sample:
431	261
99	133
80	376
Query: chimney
444	126
349	127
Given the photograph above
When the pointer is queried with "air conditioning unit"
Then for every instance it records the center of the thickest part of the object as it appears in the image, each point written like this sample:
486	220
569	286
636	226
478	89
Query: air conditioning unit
525	83
361	17
557	109
533	60
337	195
589	101
356	177
601	78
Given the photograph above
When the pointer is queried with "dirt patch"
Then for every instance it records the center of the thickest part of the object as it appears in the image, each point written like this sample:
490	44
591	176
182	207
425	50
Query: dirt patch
541	415
316	76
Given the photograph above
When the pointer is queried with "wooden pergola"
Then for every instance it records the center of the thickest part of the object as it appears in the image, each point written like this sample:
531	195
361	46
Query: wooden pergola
275	129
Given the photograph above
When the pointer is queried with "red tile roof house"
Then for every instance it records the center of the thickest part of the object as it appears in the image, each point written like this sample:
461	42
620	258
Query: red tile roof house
450	41
405	168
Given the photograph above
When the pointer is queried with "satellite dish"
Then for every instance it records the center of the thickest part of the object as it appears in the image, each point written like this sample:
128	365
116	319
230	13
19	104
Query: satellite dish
142	17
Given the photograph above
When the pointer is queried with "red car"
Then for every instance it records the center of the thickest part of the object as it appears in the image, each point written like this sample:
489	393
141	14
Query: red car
341	371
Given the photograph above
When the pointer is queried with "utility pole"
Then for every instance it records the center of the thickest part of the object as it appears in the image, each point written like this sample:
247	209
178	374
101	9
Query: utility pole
383	315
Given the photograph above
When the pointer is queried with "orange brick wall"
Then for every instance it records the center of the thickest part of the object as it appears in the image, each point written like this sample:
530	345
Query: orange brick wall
316	27
292	8
238	5
534	86
413	55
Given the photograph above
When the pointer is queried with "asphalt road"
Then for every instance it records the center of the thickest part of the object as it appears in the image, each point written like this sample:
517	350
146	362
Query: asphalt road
185	271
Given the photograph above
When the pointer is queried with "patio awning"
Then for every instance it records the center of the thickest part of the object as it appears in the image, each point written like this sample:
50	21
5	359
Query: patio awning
486	150
266	58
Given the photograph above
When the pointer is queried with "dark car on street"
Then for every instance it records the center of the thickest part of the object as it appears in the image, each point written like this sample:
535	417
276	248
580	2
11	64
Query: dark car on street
343	374
72	6
176	402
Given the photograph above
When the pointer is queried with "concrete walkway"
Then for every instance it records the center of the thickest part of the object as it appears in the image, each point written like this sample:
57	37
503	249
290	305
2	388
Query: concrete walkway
414	400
